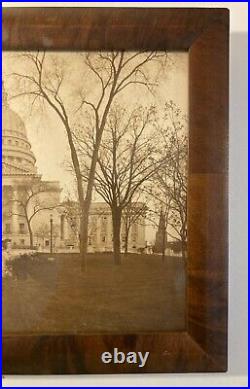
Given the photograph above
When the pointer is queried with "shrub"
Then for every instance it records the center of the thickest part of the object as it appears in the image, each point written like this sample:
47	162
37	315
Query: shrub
24	265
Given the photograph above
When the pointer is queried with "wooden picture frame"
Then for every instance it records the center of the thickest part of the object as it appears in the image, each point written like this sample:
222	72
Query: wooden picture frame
204	33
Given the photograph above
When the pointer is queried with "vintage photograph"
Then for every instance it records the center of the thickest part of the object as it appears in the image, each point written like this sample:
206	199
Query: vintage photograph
94	192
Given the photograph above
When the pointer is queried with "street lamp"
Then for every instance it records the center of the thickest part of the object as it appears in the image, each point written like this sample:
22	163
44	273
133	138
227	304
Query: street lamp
51	234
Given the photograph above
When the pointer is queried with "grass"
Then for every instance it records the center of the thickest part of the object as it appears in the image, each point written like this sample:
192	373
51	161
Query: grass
142	294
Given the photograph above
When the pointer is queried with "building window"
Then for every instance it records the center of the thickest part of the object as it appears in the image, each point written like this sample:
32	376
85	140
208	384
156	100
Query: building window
22	242
104	239
7	228
90	240
46	242
22	228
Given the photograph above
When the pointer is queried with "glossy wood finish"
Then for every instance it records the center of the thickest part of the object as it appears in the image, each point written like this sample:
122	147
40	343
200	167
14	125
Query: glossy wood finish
204	32
207	197
78	354
106	28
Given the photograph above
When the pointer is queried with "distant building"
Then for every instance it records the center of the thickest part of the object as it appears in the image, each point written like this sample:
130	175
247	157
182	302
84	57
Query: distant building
101	230
19	173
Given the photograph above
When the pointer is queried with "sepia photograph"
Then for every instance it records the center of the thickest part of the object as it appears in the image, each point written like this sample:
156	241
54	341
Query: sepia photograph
94	164
114	190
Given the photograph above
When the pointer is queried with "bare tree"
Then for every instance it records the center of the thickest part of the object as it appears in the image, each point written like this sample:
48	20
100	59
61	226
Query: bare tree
171	180
125	162
114	72
29	203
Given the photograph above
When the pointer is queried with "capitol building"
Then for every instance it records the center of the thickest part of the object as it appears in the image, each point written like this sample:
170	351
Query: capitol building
33	214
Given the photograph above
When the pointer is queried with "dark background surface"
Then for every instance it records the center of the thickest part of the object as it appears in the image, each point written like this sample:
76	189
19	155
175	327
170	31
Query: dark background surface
204	32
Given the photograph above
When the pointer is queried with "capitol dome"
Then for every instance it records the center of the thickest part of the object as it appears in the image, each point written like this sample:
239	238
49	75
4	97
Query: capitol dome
17	156
12	120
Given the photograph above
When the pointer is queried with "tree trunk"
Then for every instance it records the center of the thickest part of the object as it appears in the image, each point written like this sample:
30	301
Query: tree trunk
85	208
85	203
83	242
84	214
126	243
116	219
30	235
163	244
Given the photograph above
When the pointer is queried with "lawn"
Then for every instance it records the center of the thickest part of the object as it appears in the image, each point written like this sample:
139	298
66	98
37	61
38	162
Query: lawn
142	294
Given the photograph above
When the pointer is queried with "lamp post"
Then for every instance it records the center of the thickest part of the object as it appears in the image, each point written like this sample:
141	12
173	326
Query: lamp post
51	234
